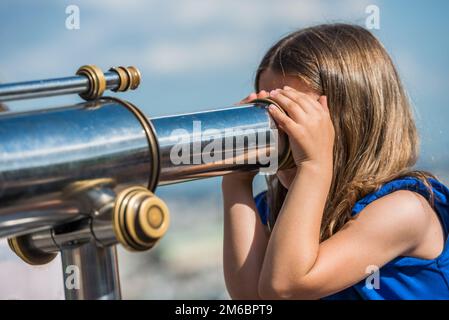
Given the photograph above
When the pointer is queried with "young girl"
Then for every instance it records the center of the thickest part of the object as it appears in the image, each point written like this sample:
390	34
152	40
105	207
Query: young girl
352	205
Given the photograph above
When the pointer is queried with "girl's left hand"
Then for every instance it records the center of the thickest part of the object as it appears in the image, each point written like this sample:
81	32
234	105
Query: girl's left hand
308	124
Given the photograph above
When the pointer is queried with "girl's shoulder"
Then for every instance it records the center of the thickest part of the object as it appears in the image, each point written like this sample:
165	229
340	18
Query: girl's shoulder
435	192
403	213
410	210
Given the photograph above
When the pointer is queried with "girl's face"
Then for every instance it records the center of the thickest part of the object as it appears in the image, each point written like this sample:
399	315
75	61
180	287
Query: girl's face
269	81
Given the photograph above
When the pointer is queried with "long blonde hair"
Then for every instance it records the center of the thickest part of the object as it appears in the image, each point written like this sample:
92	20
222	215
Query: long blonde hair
375	135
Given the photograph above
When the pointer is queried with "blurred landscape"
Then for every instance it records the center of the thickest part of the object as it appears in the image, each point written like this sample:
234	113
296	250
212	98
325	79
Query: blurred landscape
198	55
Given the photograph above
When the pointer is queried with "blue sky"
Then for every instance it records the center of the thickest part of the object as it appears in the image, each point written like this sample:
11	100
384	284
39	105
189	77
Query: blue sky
195	55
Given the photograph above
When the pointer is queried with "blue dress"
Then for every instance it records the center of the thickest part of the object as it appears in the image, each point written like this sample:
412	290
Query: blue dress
403	277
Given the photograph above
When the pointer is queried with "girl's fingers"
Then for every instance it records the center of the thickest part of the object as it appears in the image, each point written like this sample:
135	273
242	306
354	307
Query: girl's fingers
252	96
284	121
306	102
290	106
263	94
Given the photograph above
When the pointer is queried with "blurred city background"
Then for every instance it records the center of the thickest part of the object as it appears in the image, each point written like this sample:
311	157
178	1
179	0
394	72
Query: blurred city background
196	55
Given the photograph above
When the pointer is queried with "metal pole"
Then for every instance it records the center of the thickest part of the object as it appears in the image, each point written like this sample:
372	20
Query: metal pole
34	216
90	83
52	87
91	272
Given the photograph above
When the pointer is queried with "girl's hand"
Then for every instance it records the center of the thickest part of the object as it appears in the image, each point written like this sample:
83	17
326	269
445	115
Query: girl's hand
308	125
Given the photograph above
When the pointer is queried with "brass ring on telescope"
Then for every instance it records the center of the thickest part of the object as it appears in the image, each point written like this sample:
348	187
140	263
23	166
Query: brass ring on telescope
97	82
135	77
118	217
129	78
126	209
131	219
125	81
152	141
21	247
287	162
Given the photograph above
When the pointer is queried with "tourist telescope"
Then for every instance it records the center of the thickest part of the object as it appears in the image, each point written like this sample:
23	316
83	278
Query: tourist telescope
81	178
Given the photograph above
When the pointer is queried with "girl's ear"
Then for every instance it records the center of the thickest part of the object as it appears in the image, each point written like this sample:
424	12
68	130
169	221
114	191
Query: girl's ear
323	101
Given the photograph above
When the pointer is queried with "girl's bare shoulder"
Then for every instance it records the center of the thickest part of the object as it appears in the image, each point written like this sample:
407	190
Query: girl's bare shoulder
403	218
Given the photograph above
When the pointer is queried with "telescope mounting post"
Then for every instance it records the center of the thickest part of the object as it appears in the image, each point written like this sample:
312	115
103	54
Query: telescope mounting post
91	272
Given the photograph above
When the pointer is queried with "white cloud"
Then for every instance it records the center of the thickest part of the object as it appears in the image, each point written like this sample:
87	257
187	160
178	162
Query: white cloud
249	19
254	14
116	6
226	33
202	54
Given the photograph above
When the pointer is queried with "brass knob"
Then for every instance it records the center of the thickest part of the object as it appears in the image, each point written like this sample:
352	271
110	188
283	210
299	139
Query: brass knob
23	248
97	82
129	78
140	218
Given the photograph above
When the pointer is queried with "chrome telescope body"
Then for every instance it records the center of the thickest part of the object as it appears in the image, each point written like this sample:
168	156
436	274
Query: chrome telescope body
79	179
44	152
